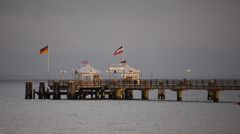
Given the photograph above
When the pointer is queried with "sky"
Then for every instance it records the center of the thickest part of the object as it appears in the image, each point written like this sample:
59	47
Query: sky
164	37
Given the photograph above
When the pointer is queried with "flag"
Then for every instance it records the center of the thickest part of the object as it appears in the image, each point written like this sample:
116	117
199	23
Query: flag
44	50
124	61
85	62
118	51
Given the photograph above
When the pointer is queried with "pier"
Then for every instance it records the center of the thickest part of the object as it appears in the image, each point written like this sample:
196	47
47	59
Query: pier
123	89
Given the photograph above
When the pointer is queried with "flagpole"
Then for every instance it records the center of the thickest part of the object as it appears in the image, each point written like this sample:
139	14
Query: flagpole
123	56
109	76
48	62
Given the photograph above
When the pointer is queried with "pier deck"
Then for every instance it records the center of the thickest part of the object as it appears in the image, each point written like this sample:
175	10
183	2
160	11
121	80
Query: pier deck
122	89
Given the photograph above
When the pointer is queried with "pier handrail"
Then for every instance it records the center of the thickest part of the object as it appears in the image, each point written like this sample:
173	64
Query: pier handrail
229	84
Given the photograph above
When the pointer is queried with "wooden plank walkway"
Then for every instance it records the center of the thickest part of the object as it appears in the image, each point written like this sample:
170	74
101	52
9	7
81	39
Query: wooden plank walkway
155	84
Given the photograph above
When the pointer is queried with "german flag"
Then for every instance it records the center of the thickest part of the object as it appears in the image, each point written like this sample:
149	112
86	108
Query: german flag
44	50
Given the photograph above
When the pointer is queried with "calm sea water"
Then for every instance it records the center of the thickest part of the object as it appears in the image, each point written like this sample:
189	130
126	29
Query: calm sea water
194	115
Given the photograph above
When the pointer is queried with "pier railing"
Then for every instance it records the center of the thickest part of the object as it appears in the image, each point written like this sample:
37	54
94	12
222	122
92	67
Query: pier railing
197	84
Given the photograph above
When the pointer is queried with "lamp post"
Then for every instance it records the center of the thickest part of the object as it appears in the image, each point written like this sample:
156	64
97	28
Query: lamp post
151	74
73	74
188	74
62	74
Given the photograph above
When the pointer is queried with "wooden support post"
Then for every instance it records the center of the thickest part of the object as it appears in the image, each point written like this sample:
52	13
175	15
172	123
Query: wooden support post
179	94
34	94
47	94
216	95
103	93
82	95
28	91
71	90
210	95
56	90
161	94
112	93
145	93
41	91
118	93
110	96
128	94
91	93
97	94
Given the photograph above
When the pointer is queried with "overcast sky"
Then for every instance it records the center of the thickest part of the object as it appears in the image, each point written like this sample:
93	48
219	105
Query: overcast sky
163	36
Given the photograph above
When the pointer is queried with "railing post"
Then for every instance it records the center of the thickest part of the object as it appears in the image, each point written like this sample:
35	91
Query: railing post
103	93
145	83
196	84
173	82
203	84
167	84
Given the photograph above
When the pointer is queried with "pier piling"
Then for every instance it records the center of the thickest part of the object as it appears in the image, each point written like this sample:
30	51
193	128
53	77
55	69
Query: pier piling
92	93
103	93
128	94
118	93
161	94
71	90
41	91
56	91
47	94
179	94
216	95
81	95
97	94
34	91
29	89
210	95
145	94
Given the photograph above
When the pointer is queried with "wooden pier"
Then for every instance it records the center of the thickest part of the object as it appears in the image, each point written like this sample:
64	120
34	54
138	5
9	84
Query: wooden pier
123	89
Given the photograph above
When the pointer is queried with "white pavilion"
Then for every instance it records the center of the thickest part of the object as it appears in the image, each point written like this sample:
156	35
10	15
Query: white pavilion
126	72
87	73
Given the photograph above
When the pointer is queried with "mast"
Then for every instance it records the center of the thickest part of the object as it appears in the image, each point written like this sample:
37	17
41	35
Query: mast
48	62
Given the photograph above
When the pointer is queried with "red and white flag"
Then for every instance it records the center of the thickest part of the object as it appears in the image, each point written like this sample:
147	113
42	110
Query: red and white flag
118	51
85	62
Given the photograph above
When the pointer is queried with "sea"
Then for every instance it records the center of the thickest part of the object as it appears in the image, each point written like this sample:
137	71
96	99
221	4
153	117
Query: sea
194	115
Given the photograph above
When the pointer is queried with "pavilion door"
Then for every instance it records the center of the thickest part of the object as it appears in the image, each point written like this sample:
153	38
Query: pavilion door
96	77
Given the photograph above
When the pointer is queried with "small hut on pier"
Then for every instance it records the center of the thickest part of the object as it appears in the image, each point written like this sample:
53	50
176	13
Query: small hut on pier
88	73
126	72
